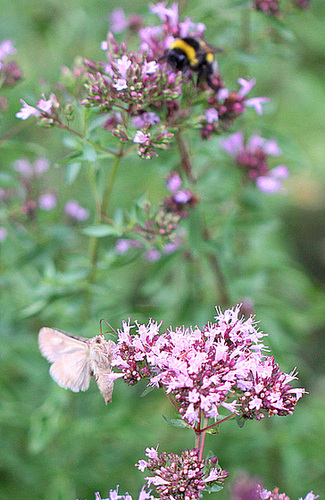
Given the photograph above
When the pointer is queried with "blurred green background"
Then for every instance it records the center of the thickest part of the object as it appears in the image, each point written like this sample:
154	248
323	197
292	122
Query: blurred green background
59	445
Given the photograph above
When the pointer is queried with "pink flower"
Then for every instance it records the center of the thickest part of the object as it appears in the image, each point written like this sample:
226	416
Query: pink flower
123	65
252	158
140	137
211	115
147	118
173	182
256	103
27	111
149	68
3	234
120	84
24	167
183	196
47	201
166	14
310	496
45	105
41	165
118	21
152	452
74	210
123	245
6	49
152	255
234	144
246	86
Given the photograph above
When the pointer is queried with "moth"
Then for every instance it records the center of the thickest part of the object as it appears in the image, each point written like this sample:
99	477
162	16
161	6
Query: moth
75	359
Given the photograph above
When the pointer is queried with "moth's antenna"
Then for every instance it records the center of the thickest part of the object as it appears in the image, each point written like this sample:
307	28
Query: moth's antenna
100	327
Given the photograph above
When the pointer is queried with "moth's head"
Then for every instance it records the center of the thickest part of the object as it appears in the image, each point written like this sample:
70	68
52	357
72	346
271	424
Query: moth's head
98	340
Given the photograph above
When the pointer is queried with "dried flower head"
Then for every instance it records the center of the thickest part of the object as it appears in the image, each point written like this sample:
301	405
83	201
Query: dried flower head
182	476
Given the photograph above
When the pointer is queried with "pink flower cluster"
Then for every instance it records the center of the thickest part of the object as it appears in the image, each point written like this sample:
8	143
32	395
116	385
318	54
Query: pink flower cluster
252	157
220	365
182	476
247	488
276	495
129	80
156	39
114	495
272	7
181	199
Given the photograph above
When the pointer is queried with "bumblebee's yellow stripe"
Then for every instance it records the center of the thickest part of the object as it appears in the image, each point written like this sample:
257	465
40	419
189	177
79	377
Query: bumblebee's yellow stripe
187	49
209	57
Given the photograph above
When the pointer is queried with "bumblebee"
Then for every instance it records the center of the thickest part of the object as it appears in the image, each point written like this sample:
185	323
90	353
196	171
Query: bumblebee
192	54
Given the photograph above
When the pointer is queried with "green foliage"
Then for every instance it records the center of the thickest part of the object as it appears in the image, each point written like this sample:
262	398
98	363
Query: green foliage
59	445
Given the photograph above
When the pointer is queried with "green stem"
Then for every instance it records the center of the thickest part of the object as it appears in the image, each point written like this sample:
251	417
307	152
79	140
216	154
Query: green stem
81	136
101	214
185	156
222	286
111	181
93	185
219	422
246	28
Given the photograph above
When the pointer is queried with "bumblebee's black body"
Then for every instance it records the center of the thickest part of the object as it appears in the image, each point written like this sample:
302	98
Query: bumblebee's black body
191	54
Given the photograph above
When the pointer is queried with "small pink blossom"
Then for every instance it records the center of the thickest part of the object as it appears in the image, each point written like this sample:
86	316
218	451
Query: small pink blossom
45	105
26	111
47	201
211	115
183	196
256	103
149	68
74	210
41	165
246	86
173	182
6	49
152	452
118	21
123	65
166	14
147	118
142	465
140	137
152	255
120	84
24	167
310	496
3	234
123	245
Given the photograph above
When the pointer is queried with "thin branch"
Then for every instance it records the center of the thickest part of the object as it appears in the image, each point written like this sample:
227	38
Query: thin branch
185	156
219	422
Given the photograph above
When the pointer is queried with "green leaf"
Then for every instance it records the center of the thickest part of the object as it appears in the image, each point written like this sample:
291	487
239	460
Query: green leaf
214	488
146	391
240	421
176	422
72	172
97	122
34	308
89	153
102	230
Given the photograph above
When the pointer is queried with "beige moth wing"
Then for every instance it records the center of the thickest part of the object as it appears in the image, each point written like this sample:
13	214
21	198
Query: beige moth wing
76	359
70	358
